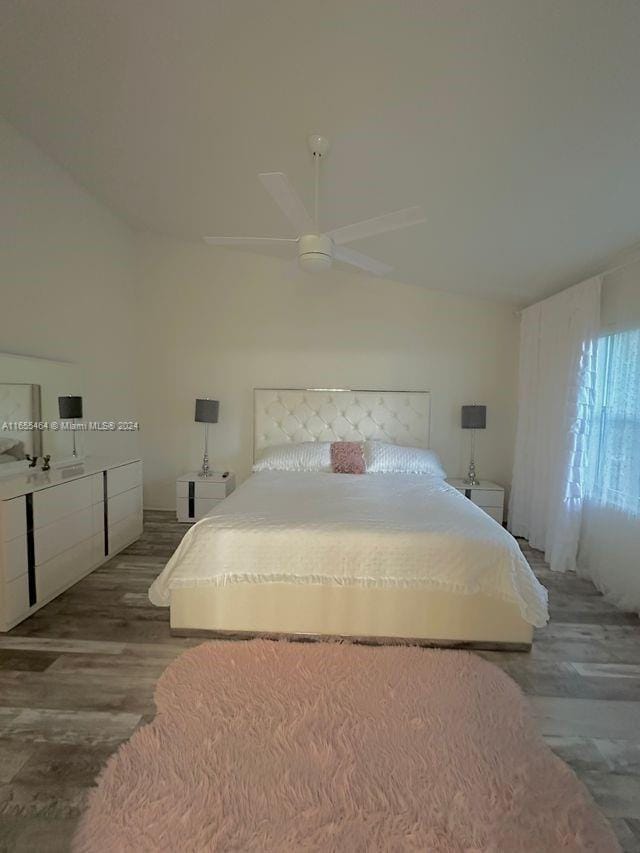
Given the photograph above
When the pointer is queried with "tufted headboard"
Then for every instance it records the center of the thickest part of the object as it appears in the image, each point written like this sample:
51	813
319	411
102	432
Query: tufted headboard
283	415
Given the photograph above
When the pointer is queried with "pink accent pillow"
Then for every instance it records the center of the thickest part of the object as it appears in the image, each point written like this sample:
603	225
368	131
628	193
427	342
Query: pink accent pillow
347	457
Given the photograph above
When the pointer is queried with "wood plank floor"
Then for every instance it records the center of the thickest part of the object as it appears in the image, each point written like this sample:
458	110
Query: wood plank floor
77	678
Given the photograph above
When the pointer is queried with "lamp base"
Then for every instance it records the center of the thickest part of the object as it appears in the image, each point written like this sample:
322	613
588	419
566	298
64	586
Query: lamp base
205	471
472	478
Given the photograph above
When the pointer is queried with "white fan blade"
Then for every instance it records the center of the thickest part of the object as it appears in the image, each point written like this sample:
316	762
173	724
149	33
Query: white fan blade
278	186
248	241
364	262
388	222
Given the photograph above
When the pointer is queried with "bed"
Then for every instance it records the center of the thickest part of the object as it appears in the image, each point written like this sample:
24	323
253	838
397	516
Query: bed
373	556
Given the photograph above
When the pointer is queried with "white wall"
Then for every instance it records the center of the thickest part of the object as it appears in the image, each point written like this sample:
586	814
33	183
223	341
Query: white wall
67	288
218	323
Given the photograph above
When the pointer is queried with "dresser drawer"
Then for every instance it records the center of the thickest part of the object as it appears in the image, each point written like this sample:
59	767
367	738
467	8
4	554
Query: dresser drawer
97	488
124	532
97	549
16	599
487	497
97	511
15	558
69	531
60	572
123	478
124	504
205	489
14	518
55	503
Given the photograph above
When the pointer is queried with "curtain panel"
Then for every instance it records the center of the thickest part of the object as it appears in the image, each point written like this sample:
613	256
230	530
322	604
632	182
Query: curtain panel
610	540
556	402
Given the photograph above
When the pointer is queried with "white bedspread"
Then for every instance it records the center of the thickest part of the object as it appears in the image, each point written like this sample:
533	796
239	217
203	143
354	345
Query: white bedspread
379	530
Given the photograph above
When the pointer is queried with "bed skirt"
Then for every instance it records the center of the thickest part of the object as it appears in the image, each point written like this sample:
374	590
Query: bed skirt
371	614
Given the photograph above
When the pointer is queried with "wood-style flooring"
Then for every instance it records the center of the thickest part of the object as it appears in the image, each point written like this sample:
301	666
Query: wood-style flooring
77	678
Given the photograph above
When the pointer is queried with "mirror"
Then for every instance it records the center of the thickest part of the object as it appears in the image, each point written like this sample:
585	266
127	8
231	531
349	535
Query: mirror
19	404
29	391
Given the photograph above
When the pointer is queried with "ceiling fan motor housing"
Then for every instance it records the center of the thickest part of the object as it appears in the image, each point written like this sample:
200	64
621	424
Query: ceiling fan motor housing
315	252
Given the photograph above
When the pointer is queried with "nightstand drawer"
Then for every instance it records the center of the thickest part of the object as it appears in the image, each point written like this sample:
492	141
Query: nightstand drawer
195	510
495	513
204	489
196	496
487	497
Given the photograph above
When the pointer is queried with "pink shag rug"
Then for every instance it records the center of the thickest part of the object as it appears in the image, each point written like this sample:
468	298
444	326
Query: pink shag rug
278	746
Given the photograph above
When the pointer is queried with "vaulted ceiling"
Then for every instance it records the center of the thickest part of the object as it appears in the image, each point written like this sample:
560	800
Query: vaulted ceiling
515	124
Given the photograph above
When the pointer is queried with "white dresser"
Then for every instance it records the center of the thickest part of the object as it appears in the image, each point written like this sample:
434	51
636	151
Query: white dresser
196	496
57	526
487	495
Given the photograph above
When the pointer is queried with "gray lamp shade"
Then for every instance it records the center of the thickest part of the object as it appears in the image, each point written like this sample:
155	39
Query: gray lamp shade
70	407
474	417
207	411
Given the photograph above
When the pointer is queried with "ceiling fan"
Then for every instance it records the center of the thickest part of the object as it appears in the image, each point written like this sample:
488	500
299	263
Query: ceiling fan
317	250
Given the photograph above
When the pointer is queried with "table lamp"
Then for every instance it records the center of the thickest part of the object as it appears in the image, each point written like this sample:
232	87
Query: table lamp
206	413
473	418
70	408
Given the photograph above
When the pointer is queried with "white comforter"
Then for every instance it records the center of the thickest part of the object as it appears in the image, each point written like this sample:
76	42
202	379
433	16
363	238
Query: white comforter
381	530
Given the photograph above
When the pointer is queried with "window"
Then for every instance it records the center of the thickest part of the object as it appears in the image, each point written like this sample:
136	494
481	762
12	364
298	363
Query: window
615	440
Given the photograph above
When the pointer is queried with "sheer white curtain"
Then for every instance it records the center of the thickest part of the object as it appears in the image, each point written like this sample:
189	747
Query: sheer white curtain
556	400
610	540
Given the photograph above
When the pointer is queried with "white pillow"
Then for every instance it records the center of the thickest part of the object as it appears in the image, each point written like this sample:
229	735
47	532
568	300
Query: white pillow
380	457
305	456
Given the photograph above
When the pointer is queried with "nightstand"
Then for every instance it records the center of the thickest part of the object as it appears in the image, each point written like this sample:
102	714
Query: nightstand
196	496
487	495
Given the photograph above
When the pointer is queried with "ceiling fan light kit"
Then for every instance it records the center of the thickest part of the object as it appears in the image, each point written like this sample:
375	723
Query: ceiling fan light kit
315	252
318	250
